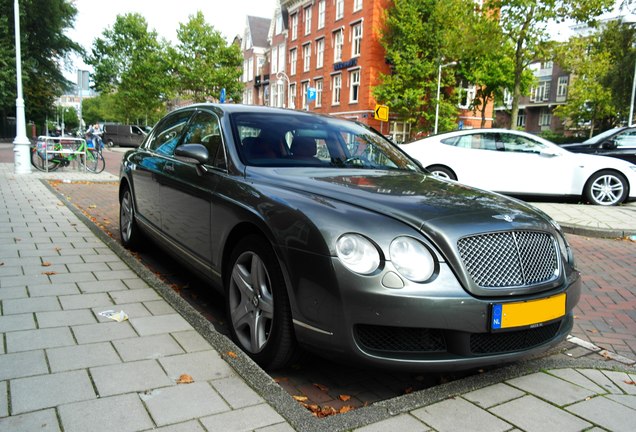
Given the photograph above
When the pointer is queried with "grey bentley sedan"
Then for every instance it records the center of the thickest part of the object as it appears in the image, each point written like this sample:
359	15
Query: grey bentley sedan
323	234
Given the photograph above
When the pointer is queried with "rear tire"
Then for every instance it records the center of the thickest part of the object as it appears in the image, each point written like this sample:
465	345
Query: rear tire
442	172
95	161
258	306
607	188
129	232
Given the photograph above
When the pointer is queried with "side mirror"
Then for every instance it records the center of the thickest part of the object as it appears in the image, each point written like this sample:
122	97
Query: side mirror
609	145
192	153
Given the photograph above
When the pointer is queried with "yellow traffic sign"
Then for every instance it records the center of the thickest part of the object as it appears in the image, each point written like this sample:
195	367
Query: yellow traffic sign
382	112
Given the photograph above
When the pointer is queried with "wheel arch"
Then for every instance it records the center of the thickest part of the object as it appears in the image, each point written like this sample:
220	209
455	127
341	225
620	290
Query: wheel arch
432	167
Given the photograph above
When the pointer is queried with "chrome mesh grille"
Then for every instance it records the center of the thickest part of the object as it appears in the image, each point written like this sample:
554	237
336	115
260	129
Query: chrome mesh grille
510	258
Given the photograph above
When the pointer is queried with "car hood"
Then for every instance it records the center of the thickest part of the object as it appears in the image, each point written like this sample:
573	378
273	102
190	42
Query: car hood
418	199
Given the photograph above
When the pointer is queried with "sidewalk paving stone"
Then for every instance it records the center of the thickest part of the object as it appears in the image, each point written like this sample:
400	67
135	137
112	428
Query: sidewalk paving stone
26	340
85	301
147	347
626	400
152	325
493	395
129	377
577	378
48	289
30	304
623	381
602	380
183	402
41	421
191	341
402	423
531	415
101	286
135	295
191	426
201	366
245	419
23	364
124	413
458	414
81	356
102	332
235	392
4	402
65	318
17	322
13	293
48	391
606	413
551	388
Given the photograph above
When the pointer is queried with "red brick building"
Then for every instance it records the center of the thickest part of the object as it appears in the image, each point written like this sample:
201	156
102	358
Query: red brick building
333	48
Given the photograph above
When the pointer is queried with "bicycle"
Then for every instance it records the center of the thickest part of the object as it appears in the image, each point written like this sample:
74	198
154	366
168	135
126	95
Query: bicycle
51	153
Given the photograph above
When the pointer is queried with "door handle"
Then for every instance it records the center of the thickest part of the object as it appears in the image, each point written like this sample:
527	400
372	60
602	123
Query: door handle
169	167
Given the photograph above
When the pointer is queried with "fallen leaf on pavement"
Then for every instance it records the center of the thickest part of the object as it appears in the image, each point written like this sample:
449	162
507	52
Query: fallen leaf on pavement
185	379
92	206
46	264
630	382
49	273
300	398
345	409
344	398
232	354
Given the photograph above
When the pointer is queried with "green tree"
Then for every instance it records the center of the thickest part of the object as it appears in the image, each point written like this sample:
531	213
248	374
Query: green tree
524	24
204	63
45	51
130	62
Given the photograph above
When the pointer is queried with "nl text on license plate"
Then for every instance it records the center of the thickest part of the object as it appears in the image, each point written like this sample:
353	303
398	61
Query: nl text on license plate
528	313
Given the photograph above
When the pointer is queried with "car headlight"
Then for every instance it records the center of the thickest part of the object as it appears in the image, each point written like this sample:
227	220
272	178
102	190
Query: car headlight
357	253
412	259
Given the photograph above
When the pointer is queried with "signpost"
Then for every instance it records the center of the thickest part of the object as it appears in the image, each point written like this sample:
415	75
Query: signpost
382	113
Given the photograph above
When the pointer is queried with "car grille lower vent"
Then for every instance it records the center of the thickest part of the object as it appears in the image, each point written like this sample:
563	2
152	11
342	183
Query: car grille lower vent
492	343
400	339
510	258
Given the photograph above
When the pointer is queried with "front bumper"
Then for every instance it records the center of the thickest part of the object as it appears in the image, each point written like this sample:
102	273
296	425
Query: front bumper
434	326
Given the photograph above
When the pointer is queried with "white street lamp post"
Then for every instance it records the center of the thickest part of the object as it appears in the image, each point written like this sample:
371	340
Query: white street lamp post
439	84
21	143
631	19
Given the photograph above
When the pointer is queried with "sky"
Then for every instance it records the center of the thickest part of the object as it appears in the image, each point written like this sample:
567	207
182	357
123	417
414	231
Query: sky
226	16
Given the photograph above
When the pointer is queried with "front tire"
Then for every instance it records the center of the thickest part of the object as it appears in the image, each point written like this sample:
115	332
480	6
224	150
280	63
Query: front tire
129	232
607	188
257	304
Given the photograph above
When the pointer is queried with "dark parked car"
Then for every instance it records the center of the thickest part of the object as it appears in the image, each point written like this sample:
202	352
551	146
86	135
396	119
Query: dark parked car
123	135
322	233
618	142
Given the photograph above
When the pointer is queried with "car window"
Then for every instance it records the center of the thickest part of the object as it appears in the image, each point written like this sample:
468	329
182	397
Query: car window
299	140
478	141
204	128
168	132
626	139
520	144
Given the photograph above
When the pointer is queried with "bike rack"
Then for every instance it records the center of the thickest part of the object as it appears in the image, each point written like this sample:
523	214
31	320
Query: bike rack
66	145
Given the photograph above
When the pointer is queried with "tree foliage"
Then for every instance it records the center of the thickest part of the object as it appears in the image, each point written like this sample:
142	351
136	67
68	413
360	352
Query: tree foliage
131	63
525	26
45	50
203	62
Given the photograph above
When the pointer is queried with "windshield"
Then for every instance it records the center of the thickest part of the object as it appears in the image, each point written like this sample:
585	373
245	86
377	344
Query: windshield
292	140
601	137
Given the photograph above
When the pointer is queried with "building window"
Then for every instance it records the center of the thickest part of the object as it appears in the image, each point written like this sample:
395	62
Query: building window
321	14
279	24
400	132
294	26
318	93
281	56
338	42
339	9
545	118
250	69
562	88
336	81
245	79
291	103
521	119
274	65
466	95
357	5
354	85
307	20
293	58
306	56
356	36
541	92
320	53
304	86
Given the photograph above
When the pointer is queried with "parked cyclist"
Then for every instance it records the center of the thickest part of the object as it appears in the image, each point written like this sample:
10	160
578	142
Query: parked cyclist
94	134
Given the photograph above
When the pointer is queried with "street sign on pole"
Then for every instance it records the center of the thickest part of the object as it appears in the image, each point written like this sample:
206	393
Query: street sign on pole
311	94
222	97
382	112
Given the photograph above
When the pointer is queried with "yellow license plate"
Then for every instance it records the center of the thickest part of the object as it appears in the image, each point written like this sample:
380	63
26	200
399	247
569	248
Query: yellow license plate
528	313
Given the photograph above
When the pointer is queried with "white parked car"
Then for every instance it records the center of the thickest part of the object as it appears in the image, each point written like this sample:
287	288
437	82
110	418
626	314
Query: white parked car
519	163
